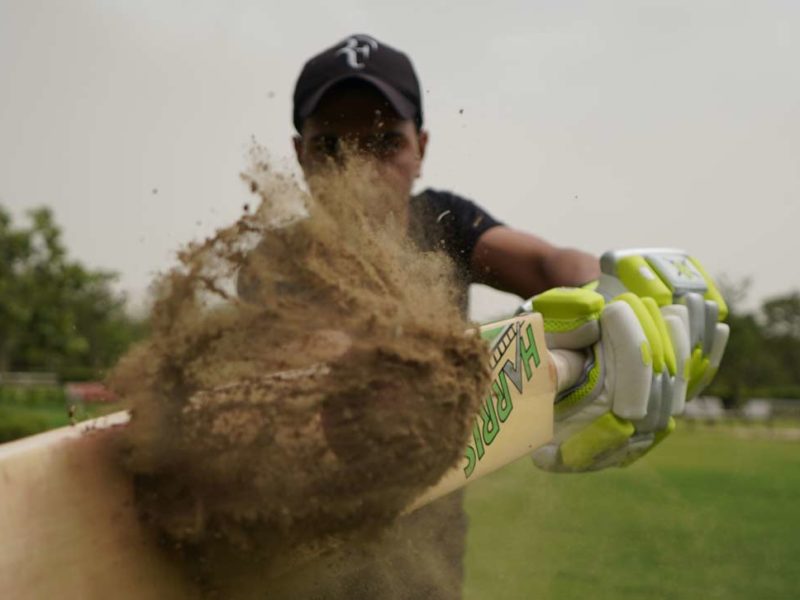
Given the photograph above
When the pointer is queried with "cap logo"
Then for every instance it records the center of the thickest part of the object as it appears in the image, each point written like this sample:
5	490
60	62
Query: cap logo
356	50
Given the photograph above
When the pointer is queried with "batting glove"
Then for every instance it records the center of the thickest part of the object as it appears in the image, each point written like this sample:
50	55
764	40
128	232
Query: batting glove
682	289
623	405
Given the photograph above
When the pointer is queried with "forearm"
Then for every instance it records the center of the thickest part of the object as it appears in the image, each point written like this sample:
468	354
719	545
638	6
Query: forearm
569	267
523	264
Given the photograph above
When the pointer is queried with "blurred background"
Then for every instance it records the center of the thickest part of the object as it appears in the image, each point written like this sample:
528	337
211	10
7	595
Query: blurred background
124	126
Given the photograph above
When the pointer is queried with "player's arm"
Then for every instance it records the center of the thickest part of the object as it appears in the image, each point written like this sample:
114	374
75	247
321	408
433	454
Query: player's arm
523	264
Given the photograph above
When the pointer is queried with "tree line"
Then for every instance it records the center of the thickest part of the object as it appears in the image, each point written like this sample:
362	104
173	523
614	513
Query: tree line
763	355
57	315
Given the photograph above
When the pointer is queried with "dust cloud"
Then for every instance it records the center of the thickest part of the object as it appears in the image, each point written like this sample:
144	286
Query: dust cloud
307	375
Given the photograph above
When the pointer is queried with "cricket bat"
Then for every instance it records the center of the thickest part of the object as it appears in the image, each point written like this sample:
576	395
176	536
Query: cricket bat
69	523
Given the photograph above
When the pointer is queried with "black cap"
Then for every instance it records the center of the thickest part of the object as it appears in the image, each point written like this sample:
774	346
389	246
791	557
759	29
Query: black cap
365	58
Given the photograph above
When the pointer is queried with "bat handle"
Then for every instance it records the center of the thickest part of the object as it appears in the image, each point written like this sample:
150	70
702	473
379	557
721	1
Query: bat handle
570	367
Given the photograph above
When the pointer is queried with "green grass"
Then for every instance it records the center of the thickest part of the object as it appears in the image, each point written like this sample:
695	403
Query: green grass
706	515
26	412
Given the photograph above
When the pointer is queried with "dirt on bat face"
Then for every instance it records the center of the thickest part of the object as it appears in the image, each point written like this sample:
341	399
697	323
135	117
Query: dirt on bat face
307	375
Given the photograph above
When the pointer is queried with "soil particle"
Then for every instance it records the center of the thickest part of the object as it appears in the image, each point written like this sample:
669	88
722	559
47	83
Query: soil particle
307	375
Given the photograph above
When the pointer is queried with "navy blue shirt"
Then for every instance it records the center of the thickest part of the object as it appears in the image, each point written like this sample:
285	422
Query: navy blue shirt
441	220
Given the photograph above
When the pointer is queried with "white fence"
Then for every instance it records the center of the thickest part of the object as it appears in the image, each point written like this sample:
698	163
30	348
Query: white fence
710	409
28	379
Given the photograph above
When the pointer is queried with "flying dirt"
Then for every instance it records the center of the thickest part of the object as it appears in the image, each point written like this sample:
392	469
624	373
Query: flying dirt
307	375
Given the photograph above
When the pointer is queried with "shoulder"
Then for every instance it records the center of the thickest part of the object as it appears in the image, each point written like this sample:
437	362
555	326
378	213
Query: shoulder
450	222
441	199
449	209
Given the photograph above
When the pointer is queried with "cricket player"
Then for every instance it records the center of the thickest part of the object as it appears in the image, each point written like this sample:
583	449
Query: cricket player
361	93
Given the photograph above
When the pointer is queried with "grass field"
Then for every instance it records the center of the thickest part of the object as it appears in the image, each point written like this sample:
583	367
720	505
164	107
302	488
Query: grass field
710	514
23	414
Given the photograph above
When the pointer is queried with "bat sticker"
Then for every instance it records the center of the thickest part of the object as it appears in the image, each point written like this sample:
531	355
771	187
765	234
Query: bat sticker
515	353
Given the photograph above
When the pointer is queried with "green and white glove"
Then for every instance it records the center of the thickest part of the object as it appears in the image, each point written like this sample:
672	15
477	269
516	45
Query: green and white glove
682	288
623	405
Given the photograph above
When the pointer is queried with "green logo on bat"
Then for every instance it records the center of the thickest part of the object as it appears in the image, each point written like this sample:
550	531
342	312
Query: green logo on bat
498	405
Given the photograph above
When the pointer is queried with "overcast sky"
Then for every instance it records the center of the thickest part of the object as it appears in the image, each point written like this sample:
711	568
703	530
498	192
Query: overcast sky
594	124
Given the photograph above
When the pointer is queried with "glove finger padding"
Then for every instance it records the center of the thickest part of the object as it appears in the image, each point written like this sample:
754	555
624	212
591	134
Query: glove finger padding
708	339
627	355
672	277
676	321
669	343
703	378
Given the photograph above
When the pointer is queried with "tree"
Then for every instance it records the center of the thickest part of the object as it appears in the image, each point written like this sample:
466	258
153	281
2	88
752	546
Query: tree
763	354
782	332
782	316
746	364
55	314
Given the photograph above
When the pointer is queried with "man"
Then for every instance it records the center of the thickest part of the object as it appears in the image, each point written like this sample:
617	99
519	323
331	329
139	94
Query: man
362	96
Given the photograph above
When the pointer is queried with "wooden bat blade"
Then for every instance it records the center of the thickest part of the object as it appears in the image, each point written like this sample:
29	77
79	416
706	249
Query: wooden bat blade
69	524
516	415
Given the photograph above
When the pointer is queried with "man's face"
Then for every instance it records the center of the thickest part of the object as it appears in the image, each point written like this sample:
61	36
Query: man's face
355	118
